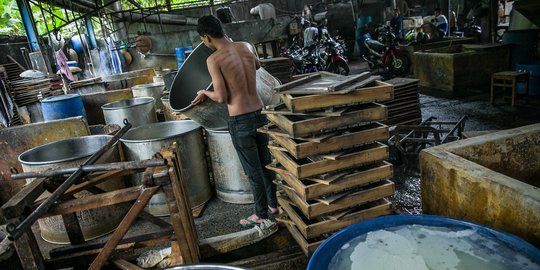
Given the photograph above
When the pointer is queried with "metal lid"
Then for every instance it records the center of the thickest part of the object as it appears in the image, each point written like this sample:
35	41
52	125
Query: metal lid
127	103
159	131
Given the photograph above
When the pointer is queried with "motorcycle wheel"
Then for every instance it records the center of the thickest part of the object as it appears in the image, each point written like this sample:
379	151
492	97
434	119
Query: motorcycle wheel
340	68
398	64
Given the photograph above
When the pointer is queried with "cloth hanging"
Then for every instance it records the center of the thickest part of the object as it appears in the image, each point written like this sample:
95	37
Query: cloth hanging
61	61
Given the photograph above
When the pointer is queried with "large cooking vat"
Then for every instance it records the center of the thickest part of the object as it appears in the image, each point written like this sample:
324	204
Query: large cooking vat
143	142
138	111
154	90
194	76
490	246
71	153
232	184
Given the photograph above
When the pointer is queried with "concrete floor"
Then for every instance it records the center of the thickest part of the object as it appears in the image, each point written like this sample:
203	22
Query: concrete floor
221	218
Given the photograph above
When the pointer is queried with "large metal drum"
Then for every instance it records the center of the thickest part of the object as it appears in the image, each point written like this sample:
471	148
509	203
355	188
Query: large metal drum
71	153
138	111
143	142
170	114
154	90
232	184
194	76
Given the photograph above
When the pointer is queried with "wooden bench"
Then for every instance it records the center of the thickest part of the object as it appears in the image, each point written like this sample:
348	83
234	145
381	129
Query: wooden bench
509	79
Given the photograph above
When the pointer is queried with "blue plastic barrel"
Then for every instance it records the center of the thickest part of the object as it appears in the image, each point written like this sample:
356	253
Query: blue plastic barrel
181	53
324	254
534	80
63	106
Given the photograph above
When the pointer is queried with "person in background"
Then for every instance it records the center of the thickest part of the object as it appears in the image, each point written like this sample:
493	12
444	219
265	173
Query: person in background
440	22
323	30
397	24
310	35
453	22
233	67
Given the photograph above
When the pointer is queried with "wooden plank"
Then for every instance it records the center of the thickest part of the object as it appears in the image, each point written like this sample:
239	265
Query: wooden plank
298	82
304	126
349	81
225	243
308	247
326	225
328	200
17	204
380	91
275	130
28	251
73	228
372	192
95	201
285	111
123	227
308	189
302	169
125	265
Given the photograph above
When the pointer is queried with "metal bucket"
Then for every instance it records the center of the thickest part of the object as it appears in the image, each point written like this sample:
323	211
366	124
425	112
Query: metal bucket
143	142
170	114
70	153
138	111
194	76
232	184
154	90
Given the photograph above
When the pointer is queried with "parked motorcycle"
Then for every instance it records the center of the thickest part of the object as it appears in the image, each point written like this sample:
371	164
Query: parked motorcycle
473	27
384	53
327	56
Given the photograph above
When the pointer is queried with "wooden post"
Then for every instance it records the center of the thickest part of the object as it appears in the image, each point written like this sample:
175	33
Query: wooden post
29	253
123	227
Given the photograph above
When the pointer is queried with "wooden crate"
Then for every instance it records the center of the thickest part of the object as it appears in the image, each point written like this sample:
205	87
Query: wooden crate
306	167
307	246
376	91
348	199
312	188
349	138
299	126
329	224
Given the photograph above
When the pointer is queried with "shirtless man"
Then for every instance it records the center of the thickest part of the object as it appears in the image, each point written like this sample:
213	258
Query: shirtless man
233	67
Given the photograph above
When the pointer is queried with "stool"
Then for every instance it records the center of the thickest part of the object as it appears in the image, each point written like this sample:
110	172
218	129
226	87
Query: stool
509	79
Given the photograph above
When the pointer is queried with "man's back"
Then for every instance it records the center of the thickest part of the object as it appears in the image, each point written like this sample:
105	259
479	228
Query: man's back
237	65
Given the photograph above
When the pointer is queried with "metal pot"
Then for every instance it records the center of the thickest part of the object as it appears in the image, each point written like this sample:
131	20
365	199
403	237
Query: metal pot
71	153
205	267
138	111
170	114
143	142
154	90
232	184
194	76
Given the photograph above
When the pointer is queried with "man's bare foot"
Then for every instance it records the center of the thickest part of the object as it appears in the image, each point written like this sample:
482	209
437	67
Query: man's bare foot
251	221
273	210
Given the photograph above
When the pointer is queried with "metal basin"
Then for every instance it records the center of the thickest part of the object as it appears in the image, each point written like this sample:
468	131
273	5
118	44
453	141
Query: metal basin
170	114
232	184
143	142
138	111
154	90
194	76
69	153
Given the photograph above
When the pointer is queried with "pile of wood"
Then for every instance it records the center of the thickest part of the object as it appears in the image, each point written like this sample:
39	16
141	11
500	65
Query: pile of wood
404	109
279	67
329	162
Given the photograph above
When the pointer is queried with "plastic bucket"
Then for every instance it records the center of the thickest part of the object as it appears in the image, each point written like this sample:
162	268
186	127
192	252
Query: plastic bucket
63	106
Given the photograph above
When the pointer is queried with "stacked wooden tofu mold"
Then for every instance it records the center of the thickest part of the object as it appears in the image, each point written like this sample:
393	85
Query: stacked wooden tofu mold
330	163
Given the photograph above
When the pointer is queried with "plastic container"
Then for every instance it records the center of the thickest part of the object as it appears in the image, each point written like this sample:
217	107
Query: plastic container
63	106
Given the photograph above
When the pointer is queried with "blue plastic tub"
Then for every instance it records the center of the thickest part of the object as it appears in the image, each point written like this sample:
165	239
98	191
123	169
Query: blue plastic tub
180	53
63	106
325	252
